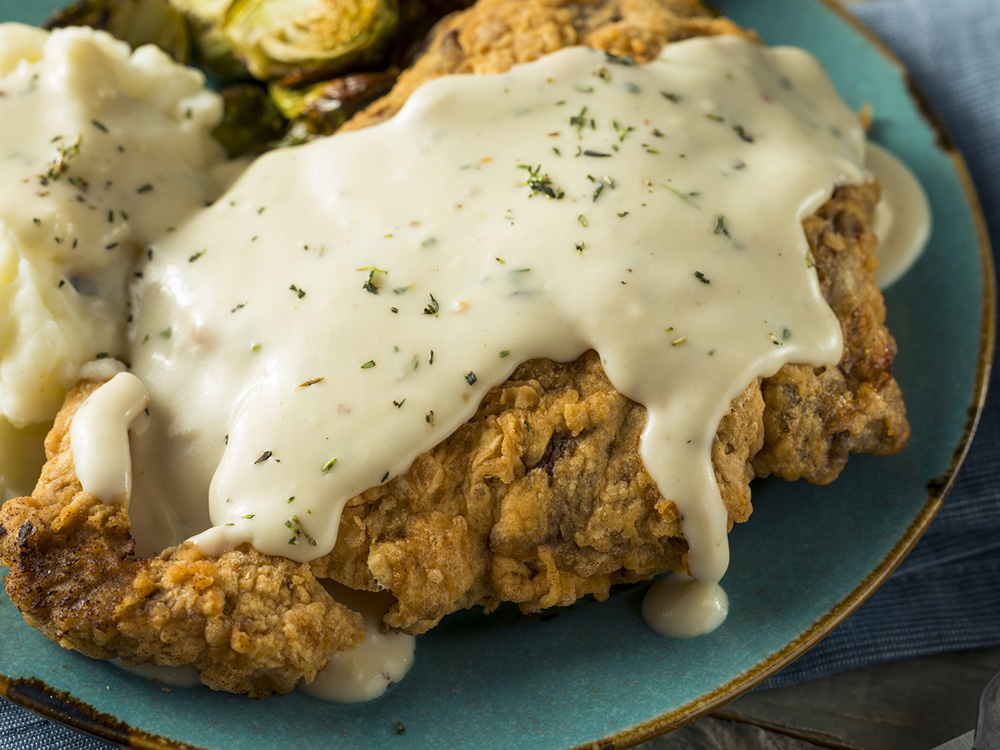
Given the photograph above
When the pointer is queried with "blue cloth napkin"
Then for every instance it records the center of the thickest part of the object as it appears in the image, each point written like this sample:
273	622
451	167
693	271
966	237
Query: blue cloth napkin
946	594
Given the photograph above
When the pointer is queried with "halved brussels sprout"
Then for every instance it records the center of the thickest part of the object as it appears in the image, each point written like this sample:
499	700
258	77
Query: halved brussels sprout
309	39
325	106
251	124
137	22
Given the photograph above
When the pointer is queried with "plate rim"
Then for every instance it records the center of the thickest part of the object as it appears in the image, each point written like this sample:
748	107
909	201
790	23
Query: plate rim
64	709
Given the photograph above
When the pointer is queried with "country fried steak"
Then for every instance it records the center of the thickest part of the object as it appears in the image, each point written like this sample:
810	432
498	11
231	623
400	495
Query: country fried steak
540	499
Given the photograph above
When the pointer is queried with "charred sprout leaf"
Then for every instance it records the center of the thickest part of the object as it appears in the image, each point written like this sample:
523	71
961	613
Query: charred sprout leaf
250	123
310	39
326	106
137	22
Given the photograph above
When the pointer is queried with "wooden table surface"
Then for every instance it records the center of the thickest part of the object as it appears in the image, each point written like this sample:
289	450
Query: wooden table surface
916	704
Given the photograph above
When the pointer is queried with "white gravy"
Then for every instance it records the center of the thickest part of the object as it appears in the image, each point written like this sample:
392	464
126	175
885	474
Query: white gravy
902	217
677	606
99	436
383	658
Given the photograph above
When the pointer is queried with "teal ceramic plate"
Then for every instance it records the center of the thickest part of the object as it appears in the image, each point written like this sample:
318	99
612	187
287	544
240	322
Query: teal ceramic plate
593	674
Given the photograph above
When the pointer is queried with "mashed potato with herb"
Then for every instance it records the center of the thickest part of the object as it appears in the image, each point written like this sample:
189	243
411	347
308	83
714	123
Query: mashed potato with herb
80	198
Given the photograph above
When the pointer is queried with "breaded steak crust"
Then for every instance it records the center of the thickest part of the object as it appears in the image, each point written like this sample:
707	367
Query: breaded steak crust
539	499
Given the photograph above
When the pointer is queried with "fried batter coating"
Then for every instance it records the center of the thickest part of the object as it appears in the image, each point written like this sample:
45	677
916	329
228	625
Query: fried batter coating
540	499
249	623
815	418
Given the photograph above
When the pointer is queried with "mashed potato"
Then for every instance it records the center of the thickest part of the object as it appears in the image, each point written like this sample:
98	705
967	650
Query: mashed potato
103	151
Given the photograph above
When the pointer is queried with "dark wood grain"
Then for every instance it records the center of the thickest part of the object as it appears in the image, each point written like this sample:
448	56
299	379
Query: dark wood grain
918	703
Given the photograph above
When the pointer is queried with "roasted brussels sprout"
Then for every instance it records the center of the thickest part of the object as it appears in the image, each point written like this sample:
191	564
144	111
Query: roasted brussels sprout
325	106
309	39
137	22
251	124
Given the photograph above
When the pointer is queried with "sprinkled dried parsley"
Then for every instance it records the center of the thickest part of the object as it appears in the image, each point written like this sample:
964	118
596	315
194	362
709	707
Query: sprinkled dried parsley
433	307
369	285
368	365
295	526
540	183
300	292
326	467
720	225
470	377
263	457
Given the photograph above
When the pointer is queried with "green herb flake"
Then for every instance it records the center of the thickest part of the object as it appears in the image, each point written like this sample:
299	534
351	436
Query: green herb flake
470	377
618	60
329	465
368	365
300	293
701	277
263	457
369	285
144	188
582	219
540	183
743	133
621	130
504	354
432	307
197	255
720	225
